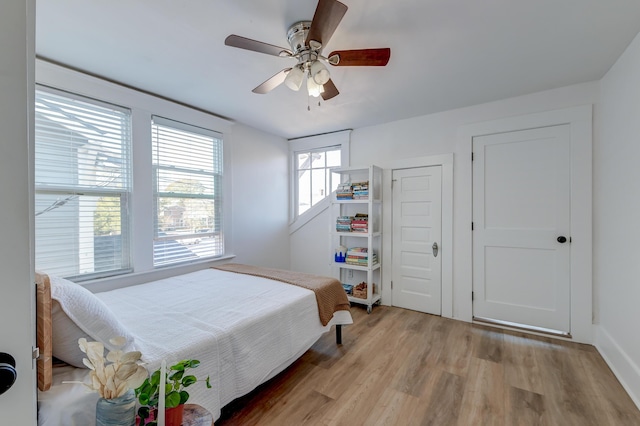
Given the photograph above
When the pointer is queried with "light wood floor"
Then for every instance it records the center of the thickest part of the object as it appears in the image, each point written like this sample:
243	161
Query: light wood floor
399	367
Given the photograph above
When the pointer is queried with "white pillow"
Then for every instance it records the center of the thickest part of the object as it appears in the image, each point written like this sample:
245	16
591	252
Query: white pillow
76	313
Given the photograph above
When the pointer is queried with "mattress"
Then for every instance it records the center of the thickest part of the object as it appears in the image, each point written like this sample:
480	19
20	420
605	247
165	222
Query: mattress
243	329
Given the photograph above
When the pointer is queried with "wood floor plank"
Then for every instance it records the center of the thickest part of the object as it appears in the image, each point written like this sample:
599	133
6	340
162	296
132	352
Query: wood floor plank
524	408
483	402
488	344
443	403
520	363
456	346
618	408
421	355
399	367
565	385
392	408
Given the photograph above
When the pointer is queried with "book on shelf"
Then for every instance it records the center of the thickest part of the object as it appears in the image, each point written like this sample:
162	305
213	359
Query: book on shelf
357	260
352	191
359	256
358	251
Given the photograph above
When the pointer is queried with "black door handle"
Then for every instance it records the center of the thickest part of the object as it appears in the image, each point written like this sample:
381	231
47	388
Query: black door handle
8	373
562	239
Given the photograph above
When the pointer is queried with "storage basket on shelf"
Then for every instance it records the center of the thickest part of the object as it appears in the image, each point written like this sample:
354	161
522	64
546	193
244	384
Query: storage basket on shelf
360	291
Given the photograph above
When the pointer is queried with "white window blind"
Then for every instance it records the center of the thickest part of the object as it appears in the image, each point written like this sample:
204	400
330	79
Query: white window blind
187	165
82	186
313	176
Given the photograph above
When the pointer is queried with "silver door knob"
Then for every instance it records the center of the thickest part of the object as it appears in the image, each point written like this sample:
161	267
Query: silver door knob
434	247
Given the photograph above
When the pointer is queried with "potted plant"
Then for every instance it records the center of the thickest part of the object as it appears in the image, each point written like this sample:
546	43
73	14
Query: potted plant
177	380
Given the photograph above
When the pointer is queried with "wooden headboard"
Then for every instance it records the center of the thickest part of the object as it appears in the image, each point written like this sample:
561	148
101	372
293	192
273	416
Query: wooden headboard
43	331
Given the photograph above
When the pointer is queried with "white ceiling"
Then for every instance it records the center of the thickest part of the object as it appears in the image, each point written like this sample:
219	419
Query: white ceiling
444	53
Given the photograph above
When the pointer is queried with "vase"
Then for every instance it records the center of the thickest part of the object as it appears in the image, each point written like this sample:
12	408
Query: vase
173	416
120	411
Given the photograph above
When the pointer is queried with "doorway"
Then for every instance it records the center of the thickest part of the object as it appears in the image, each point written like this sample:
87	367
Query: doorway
417	239
521	228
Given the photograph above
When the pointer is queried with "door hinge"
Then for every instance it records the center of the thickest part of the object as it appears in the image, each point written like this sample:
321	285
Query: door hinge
472	296
472	226
391	285
570	239
35	352
472	156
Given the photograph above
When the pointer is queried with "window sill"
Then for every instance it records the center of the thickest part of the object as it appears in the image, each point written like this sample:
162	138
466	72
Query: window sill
135	278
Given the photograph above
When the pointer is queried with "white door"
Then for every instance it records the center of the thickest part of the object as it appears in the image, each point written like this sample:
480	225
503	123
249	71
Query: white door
521	202
417	232
17	404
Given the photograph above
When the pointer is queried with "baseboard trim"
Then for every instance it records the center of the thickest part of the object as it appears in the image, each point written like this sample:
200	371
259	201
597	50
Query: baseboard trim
624	368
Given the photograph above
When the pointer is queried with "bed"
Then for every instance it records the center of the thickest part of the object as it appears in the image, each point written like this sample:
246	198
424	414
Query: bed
244	328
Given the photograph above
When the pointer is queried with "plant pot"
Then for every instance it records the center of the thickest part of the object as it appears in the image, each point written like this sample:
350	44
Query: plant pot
173	416
119	411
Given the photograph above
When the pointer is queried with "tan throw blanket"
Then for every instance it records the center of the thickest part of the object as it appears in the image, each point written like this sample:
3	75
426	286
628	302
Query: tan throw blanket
330	295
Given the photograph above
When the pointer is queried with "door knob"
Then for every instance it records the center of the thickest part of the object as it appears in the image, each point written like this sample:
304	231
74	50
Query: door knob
434	247
562	239
8	373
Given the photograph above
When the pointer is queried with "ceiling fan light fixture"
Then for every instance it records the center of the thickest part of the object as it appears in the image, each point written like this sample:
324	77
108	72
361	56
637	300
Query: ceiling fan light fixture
294	78
314	88
319	72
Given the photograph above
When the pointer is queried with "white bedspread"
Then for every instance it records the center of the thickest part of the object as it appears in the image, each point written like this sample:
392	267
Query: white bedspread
242	328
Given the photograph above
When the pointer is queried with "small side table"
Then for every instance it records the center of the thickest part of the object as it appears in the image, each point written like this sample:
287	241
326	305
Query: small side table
195	415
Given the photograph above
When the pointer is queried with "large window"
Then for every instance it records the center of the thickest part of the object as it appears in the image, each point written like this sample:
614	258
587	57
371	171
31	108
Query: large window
313	176
187	171
82	186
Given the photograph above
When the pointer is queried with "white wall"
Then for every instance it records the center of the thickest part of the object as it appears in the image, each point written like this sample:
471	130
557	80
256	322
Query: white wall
435	134
260	173
17	331
617	219
311	249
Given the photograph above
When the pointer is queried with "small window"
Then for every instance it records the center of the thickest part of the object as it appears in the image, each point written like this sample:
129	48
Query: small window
187	173
82	186
313	175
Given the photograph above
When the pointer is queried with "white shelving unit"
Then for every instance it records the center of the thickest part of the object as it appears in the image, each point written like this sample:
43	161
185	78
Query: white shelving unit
372	239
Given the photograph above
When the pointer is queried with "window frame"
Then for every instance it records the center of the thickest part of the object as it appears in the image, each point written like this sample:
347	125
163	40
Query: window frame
296	175
217	197
316	143
125	193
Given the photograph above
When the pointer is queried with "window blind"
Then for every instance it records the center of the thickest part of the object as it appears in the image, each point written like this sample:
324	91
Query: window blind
187	172
82	185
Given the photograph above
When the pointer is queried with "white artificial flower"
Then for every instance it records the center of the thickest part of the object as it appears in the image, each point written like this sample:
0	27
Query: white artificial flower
114	376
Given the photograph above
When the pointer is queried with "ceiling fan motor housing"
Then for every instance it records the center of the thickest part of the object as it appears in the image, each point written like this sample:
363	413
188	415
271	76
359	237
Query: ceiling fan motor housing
297	36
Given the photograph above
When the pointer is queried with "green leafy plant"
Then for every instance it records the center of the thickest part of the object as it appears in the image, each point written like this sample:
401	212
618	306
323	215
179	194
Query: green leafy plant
177	380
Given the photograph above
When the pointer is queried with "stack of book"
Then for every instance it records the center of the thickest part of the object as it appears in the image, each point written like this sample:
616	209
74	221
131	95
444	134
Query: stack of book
343	223
344	191
360	257
360	190
360	223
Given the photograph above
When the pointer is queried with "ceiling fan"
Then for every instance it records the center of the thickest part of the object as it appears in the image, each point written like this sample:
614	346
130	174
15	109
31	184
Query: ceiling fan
307	38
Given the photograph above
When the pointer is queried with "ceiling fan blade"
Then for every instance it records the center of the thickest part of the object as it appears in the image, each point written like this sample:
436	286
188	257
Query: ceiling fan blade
256	46
328	15
330	90
361	57
272	83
